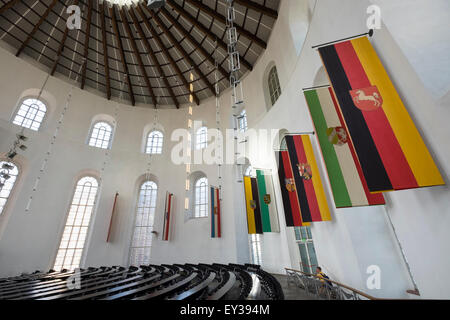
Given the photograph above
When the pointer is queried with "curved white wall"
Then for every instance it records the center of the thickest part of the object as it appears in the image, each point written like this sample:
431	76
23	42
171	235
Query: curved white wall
354	240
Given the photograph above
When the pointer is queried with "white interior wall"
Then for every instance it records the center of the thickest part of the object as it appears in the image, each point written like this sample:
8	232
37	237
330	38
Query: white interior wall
355	239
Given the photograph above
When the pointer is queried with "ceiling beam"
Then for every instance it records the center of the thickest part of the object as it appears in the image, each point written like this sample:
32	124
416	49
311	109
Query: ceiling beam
166	53
197	45
87	36
105	49
213	13
8	5
36	27
153	56
206	31
112	11
137	55
181	49
258	7
61	46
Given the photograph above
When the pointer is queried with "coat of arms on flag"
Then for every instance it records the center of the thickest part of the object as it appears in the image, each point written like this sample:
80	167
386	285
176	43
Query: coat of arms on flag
267	199
305	171
337	136
290	184
367	99
253	204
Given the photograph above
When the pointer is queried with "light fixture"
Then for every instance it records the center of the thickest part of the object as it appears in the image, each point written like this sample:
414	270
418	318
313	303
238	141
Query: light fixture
11	154
21	137
5	176
156	4
23	147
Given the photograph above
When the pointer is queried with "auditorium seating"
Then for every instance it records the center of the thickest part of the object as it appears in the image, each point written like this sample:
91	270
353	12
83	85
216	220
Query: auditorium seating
170	282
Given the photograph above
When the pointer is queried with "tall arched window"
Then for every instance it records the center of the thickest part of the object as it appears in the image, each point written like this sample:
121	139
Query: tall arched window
8	176
242	121
30	114
274	85
154	142
143	226
101	135
77	224
201	198
201	138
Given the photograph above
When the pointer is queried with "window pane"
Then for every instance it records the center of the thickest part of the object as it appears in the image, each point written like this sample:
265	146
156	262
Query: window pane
304	258
101	135
77	223
274	85
201	138
154	142
30	114
142	235
201	198
312	255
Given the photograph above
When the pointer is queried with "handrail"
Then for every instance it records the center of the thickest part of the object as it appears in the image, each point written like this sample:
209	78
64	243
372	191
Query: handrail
365	295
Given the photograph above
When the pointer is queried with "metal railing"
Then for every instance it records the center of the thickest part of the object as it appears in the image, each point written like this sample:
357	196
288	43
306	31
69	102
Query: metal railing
324	289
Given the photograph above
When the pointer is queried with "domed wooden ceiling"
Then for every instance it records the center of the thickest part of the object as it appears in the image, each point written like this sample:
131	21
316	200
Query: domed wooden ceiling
140	54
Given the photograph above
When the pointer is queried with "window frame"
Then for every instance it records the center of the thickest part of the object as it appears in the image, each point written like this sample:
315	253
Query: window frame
201	206
19	107
91	132
274	86
255	248
153	192
203	143
307	242
157	147
242	119
89	224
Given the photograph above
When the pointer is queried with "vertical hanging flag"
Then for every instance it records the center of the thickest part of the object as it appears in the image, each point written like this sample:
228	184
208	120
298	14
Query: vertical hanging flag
390	150
254	222
215	212
167	216
310	192
344	171
269	215
291	205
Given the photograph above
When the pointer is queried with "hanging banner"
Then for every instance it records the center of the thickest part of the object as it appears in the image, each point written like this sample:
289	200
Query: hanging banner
254	222
390	150
344	171
308	185
215	212
291	204
269	215
167	216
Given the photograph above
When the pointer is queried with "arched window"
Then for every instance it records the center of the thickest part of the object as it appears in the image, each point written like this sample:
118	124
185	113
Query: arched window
30	114
143	226
8	176
201	198
101	135
242	121
154	142
77	224
274	85
201	138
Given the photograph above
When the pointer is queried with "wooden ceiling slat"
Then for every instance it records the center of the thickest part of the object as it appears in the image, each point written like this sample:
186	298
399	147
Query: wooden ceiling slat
105	50
206	31
112	11
87	36
183	52
61	46
153	56
137	55
197	45
166	52
222	19
8	5
258	7
36	27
